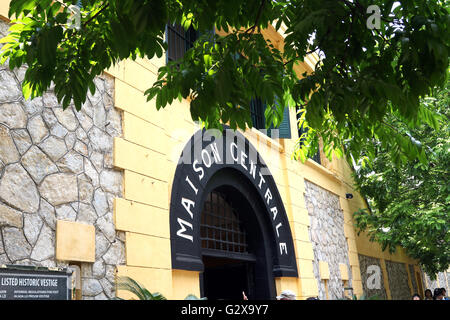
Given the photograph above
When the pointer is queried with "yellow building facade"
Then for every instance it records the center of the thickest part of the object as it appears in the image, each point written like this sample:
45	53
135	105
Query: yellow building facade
147	152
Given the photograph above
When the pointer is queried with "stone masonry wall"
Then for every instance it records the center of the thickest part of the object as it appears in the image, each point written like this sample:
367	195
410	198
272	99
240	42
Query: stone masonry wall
444	279
57	164
412	274
398	280
327	237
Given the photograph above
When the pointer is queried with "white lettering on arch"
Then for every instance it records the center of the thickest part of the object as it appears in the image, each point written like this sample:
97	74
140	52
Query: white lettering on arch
234	146
183	224
283	246
187	203
207	162
268	195
198	169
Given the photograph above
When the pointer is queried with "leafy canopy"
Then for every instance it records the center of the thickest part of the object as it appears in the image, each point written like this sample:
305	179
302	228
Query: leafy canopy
364	74
410	203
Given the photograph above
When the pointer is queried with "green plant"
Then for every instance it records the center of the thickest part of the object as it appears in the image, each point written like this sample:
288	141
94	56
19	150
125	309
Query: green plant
409	203
128	284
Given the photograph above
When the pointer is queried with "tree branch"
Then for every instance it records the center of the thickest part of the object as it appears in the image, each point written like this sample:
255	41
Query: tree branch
314	50
306	53
95	15
258	15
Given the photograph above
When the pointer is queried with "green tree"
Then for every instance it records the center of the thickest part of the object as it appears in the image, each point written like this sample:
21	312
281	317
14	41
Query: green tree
410	202
375	60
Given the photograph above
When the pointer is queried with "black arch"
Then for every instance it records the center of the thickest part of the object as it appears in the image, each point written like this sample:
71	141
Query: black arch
185	229
239	191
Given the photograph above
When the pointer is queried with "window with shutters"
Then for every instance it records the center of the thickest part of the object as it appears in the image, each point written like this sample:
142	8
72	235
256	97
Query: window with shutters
179	41
257	108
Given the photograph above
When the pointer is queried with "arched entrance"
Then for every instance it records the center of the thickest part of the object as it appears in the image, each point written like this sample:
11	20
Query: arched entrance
226	172
235	241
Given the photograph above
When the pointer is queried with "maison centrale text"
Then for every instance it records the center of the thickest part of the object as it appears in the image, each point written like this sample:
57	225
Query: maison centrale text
28	282
207	157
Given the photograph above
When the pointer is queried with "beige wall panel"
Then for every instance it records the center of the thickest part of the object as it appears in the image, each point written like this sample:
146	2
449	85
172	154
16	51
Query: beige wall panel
147	251
136	158
75	241
185	283
144	133
141	218
154	280
140	188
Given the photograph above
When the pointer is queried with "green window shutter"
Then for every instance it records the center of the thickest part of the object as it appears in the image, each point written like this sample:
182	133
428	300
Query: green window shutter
285	126
284	129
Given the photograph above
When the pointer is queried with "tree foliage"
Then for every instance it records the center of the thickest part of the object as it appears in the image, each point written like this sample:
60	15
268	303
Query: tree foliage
142	293
410	202
364	74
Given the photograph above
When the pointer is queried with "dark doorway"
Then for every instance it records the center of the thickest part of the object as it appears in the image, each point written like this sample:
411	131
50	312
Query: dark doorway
226	279
234	240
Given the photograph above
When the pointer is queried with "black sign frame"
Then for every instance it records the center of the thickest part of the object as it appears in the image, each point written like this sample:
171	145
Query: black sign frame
34	283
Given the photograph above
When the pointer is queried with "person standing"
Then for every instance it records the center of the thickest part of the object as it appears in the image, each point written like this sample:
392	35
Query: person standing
444	294
286	295
438	294
428	295
416	297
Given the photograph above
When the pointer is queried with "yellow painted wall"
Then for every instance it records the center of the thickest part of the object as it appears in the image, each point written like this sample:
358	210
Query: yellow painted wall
4	7
148	152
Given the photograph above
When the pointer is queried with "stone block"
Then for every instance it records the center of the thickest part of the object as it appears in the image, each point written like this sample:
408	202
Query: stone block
10	217
18	189
8	150
59	188
12	115
38	164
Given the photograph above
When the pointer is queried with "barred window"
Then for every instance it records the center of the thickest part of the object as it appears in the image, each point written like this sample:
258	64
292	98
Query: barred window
179	41
221	228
